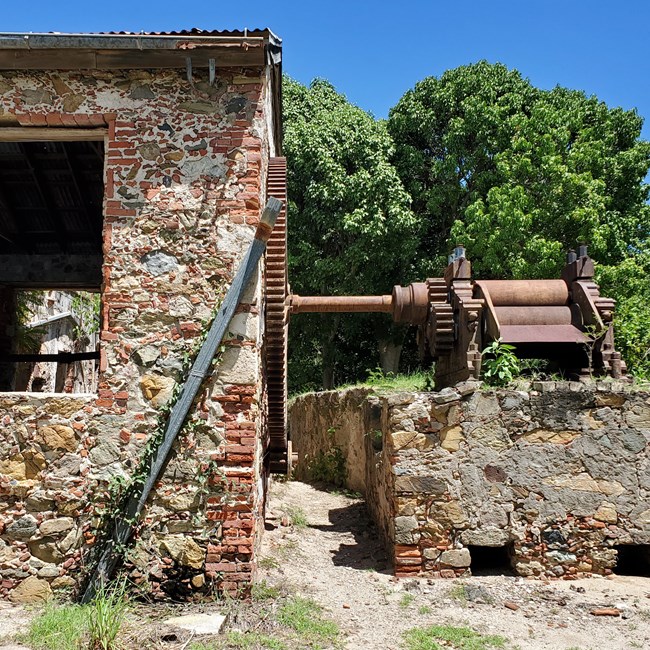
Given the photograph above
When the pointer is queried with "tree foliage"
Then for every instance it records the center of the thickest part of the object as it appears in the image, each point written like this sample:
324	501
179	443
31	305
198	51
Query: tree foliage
350	224
519	175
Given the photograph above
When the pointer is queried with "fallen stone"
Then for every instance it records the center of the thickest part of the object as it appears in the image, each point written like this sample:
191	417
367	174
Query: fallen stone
31	590
510	605
446	395
198	623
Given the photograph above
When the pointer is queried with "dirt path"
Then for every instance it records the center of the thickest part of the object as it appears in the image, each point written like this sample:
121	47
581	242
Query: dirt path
335	558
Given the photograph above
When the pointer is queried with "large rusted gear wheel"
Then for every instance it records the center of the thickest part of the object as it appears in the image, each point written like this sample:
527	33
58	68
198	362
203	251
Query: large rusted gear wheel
276	322
440	324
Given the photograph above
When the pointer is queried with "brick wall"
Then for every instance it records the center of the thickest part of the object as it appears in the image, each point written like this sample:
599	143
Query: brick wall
185	168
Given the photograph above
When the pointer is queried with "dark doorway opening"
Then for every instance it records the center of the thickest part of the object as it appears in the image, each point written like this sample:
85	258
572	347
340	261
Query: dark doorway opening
491	560
633	560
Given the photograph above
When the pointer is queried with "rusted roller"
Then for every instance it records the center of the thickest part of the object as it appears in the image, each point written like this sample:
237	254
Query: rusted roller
325	304
549	315
526	292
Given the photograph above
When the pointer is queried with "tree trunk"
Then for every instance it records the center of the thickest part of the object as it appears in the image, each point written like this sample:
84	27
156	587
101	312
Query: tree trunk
389	355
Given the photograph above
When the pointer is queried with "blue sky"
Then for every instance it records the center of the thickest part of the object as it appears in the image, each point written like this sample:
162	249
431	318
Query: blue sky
375	51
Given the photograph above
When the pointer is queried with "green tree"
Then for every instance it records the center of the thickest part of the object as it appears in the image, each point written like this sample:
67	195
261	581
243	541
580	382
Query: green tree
520	175
351	230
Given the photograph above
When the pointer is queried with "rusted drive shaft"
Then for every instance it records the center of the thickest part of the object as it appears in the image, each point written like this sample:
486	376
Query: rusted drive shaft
303	304
406	304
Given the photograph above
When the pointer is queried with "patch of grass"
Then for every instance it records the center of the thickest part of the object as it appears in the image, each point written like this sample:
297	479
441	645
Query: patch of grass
287	551
58	627
251	640
106	615
417	381
458	593
348	494
443	637
424	610
406	600
264	591
304	616
268	562
70	627
298	517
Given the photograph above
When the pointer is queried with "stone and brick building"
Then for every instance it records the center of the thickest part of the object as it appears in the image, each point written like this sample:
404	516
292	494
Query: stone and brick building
135	166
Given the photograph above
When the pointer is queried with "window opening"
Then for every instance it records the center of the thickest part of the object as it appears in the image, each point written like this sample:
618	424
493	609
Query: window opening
51	221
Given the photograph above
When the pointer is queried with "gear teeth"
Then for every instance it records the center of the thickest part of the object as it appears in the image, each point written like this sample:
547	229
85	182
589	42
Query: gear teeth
276	322
440	330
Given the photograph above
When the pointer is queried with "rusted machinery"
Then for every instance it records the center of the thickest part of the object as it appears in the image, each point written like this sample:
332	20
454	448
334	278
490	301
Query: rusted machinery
564	320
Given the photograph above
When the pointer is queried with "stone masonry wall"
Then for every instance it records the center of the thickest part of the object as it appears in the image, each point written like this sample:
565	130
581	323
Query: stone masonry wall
185	167
558	473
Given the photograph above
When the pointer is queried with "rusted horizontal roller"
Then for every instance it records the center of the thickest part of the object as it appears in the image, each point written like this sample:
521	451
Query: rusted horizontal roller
302	304
518	334
526	292
549	315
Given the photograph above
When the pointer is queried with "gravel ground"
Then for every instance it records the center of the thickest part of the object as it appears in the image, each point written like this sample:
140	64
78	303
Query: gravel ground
336	559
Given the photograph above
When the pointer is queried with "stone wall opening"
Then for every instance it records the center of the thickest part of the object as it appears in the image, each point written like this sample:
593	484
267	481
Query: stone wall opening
51	233
491	560
633	560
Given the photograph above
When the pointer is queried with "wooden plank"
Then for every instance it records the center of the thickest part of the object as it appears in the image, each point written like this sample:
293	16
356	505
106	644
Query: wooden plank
51	134
123	525
71	271
223	57
71	59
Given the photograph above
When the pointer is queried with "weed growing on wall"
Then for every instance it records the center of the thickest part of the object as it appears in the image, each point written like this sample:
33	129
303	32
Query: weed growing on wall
328	466
500	364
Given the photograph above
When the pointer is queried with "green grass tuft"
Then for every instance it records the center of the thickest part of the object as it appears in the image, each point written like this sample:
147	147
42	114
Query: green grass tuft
298	517
444	637
58	627
304	616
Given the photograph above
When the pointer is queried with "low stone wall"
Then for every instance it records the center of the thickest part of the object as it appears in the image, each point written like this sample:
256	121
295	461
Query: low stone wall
558	473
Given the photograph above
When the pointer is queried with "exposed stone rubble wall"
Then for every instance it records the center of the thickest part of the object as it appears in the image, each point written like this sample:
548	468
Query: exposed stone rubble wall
558	473
185	169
